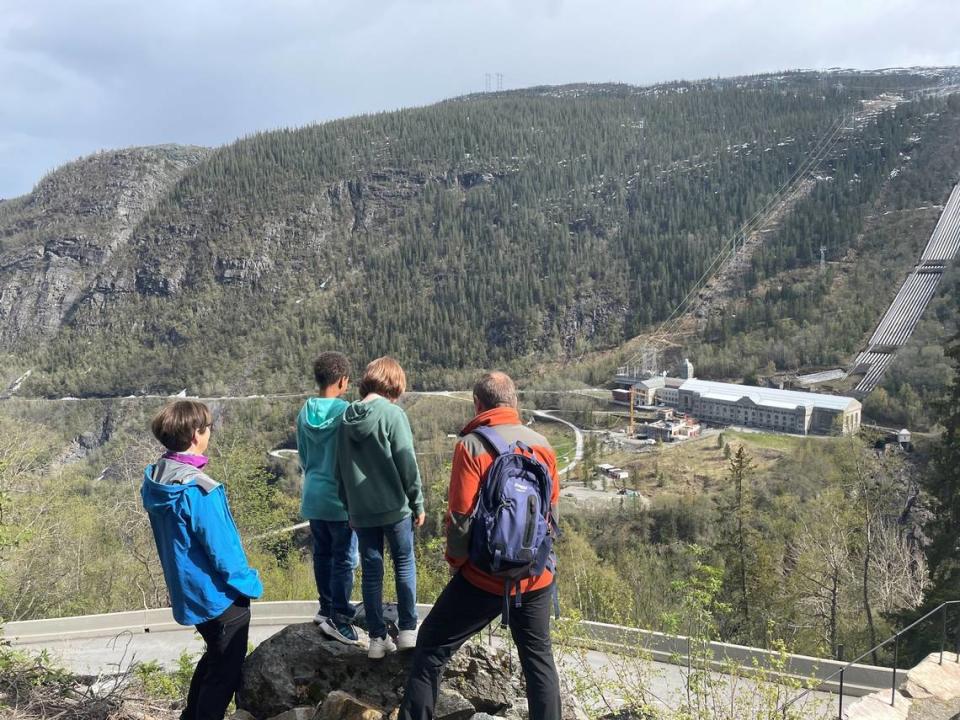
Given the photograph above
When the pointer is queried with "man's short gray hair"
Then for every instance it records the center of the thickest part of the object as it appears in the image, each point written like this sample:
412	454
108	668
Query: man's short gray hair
495	389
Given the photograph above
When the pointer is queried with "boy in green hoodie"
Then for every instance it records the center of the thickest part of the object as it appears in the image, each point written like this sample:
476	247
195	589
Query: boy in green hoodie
379	483
334	542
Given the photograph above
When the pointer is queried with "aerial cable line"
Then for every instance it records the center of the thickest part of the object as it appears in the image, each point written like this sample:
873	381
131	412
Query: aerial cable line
746	227
821	148
785	191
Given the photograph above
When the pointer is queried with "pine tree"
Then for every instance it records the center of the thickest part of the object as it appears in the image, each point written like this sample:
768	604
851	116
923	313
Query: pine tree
739	539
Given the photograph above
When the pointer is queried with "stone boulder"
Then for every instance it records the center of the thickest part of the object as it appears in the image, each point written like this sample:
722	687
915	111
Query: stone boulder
300	666
341	706
300	713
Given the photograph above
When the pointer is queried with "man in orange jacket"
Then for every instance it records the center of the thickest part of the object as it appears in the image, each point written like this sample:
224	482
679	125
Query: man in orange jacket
473	598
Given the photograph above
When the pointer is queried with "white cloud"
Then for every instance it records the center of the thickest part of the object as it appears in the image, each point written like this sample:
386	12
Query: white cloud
89	74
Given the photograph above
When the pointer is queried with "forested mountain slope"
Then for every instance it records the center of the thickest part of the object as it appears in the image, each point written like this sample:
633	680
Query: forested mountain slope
492	229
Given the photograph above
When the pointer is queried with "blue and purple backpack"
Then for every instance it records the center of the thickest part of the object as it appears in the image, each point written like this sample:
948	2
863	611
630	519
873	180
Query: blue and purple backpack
513	525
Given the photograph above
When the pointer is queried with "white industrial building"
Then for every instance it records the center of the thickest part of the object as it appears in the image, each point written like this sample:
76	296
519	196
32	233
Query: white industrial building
721	403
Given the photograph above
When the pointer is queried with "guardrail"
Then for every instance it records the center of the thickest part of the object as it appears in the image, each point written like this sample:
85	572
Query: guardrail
856	680
841	673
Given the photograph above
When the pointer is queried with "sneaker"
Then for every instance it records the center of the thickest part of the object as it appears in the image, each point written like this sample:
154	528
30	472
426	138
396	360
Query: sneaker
341	632
407	640
380	647
319	618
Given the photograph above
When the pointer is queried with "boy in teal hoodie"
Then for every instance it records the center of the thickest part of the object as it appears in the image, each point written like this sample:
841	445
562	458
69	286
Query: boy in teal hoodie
334	542
379	483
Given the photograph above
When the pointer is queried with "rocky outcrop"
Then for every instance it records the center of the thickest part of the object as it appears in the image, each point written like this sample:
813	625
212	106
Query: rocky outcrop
57	239
931	691
341	706
299	667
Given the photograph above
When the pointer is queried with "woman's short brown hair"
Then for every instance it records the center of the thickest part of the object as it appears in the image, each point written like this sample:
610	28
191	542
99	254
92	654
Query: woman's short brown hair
384	376
176	422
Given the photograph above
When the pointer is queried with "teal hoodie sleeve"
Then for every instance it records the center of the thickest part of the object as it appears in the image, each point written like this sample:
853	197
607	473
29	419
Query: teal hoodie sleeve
212	524
405	460
301	443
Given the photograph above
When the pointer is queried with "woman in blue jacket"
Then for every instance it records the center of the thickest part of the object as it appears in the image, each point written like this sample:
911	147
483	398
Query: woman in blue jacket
206	570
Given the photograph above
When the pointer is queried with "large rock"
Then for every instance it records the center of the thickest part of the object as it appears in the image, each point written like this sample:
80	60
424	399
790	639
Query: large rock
341	706
483	676
451	705
877	707
300	666
299	713
932	679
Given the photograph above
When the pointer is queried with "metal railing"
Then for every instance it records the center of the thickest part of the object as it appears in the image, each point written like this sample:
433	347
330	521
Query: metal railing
943	609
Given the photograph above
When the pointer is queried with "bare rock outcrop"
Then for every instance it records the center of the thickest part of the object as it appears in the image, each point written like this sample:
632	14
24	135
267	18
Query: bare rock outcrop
299	667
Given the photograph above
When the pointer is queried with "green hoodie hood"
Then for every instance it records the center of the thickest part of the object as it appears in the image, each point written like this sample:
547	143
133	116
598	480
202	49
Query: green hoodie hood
361	419
377	468
317	426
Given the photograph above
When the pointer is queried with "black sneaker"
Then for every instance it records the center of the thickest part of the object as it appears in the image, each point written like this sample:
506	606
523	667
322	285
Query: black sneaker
340	631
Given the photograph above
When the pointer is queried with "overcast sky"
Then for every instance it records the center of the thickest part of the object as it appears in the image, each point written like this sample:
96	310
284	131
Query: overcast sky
81	75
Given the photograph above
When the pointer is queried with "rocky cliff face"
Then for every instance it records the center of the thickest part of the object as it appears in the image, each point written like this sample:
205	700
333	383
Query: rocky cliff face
55	241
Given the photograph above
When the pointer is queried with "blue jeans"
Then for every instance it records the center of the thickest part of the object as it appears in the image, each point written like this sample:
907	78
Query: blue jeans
334	560
399	537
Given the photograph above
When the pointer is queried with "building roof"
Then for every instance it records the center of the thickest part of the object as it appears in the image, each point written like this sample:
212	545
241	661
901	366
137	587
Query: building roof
657	381
820	377
768	397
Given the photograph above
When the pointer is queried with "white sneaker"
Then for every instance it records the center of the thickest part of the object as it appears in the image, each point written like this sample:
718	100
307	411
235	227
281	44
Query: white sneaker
407	640
319	618
380	647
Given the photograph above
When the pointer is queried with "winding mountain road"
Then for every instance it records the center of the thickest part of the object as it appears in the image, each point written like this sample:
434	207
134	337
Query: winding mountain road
577	432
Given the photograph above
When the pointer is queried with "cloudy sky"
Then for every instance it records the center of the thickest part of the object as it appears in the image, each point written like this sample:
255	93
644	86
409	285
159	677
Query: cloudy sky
81	75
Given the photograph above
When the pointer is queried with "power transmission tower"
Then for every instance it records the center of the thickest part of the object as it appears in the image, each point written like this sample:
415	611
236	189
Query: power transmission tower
499	82
486	82
649	360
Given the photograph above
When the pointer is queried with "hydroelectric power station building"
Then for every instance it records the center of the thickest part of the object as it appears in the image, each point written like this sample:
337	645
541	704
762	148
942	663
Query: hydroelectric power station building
719	403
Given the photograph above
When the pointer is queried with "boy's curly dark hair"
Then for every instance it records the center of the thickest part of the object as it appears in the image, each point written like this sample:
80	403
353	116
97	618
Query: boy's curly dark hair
329	367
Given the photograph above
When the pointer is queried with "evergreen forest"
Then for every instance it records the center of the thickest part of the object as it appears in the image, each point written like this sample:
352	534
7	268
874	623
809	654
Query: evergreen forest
502	229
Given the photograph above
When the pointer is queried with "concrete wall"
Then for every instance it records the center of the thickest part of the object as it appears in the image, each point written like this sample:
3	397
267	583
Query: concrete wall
674	649
858	679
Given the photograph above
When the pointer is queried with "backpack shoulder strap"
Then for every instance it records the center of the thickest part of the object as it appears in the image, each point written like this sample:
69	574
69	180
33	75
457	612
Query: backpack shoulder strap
494	439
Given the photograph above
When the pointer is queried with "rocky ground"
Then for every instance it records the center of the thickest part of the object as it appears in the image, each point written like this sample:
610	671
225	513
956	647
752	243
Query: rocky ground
931	691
